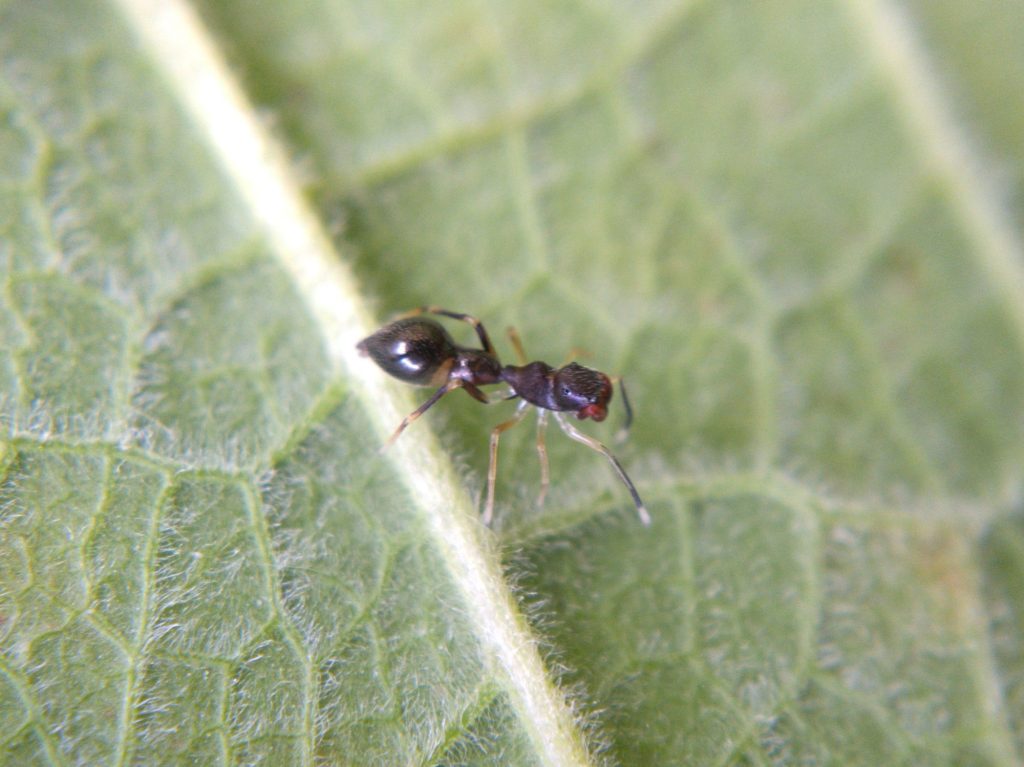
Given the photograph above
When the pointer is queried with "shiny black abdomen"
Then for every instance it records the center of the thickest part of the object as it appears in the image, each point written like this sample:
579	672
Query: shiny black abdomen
413	350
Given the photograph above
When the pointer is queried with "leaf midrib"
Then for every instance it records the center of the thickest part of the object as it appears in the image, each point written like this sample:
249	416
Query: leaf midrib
183	52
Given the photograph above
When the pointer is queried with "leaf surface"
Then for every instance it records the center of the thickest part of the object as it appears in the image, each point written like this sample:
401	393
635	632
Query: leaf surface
795	228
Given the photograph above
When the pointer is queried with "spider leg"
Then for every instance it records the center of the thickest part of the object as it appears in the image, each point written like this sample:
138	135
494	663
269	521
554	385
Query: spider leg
477	325
593	444
517	344
622	433
492	470
542	454
451	385
473	391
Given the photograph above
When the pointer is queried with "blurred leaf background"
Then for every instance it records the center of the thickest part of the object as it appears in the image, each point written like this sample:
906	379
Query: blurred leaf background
795	227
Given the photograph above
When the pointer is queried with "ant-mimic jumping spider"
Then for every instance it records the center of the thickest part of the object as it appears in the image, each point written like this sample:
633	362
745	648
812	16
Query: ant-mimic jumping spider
418	350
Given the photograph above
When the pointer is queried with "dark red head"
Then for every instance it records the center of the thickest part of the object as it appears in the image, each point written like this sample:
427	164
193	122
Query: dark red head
585	391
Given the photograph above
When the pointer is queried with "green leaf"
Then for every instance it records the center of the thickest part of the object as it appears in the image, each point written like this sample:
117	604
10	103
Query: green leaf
794	227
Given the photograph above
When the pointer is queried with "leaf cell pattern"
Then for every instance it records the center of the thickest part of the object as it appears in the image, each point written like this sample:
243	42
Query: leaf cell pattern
761	213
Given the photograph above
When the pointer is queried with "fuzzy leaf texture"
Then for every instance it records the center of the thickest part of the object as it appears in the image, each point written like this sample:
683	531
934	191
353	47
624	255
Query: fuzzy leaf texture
794	227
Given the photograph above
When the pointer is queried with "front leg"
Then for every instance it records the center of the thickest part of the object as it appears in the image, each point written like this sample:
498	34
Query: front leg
593	444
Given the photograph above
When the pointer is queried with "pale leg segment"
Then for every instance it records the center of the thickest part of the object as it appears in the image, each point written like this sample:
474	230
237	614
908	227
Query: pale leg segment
517	344
542	453
593	444
492	471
